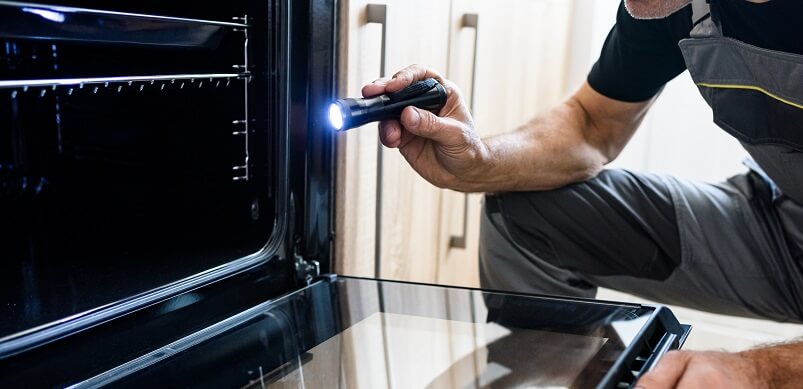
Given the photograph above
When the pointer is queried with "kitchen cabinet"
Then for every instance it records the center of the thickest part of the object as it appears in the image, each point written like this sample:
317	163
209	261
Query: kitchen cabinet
510	61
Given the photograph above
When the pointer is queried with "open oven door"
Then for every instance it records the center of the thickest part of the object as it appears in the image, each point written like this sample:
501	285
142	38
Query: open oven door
342	332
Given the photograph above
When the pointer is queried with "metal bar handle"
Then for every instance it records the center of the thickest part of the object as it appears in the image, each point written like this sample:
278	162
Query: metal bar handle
469	20
57	82
378	14
668	342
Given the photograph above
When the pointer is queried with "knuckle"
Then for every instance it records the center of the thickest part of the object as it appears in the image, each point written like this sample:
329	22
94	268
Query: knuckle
675	356
402	75
648	380
424	121
468	137
451	87
428	121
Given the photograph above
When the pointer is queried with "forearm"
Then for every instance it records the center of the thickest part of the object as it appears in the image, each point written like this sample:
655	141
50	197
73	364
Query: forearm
570	143
550	151
779	366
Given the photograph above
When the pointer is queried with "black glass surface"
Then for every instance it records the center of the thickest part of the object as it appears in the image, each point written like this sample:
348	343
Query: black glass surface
109	190
349	332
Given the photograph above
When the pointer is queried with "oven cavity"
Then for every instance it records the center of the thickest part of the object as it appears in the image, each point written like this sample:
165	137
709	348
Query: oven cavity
130	153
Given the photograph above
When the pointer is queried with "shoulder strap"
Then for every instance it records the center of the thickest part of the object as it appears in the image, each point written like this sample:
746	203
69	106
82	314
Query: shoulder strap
700	9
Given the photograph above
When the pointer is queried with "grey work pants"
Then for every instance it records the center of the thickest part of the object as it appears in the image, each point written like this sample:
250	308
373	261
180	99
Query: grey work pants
719	248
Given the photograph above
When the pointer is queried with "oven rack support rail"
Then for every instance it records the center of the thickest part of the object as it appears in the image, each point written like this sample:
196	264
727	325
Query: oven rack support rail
242	172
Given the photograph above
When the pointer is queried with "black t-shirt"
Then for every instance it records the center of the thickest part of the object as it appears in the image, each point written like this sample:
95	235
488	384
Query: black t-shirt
640	56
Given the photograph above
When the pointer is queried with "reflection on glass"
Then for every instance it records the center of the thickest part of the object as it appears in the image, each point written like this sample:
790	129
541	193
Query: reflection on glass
431	353
439	338
356	333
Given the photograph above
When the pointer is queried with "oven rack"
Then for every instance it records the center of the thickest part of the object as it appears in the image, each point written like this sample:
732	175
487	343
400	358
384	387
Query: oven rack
48	22
141	82
241	127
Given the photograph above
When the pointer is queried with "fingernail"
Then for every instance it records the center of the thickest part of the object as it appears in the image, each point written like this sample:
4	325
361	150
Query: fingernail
415	118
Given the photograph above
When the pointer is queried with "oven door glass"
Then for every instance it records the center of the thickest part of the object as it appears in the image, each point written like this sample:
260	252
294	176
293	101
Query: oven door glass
358	333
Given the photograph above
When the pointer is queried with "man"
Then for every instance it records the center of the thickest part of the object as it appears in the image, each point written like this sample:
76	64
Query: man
556	222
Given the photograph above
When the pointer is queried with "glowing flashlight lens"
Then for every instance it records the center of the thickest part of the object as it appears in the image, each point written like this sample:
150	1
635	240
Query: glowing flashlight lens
335	117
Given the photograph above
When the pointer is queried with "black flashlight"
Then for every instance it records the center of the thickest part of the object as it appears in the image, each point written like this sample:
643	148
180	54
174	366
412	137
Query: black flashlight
346	114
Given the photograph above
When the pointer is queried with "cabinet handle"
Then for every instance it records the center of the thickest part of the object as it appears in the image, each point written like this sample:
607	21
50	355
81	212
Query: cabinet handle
378	14
470	20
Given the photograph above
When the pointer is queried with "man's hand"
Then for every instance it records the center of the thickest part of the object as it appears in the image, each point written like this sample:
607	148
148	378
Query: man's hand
568	143
444	149
768	367
709	370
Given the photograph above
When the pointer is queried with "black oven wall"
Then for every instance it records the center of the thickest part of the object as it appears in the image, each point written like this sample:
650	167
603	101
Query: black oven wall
135	151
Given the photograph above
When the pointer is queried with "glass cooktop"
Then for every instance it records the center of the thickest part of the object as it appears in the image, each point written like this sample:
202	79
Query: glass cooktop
358	333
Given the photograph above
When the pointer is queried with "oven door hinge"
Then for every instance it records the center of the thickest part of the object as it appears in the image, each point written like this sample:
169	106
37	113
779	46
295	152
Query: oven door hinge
307	269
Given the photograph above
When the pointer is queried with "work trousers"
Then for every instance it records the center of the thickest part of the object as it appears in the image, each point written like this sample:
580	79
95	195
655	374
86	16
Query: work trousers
714	247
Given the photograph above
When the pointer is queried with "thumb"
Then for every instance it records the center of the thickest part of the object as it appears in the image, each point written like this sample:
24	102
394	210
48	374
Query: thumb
667	374
428	125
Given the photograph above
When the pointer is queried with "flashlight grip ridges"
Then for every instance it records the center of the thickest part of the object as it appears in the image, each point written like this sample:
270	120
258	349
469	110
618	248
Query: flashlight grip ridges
415	89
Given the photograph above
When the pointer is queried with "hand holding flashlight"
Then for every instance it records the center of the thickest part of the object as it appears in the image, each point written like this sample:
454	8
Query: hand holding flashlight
427	94
443	148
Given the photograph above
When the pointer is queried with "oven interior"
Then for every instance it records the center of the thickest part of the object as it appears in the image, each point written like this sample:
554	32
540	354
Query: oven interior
139	146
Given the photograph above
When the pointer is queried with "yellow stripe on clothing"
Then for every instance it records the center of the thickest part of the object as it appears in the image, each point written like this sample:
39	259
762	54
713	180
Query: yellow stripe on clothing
753	88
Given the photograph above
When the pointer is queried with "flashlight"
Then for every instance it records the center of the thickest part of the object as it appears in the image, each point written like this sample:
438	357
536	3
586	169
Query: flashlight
346	114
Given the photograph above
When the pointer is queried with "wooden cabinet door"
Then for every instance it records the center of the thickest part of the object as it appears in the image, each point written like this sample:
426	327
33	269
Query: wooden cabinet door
522	61
416	31
458	236
361	50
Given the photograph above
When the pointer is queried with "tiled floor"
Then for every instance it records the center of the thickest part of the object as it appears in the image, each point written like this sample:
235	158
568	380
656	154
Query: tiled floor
718	332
